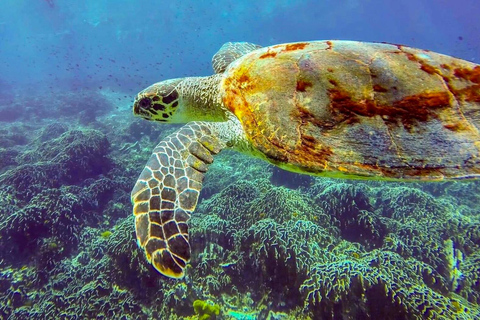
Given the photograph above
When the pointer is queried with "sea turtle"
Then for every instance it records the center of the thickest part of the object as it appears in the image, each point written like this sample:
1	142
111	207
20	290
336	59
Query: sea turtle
340	109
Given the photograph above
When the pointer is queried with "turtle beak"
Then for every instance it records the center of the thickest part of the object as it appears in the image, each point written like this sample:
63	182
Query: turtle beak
141	107
136	107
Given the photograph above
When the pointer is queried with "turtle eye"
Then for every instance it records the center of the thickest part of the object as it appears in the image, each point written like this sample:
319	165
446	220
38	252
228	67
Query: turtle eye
144	103
170	97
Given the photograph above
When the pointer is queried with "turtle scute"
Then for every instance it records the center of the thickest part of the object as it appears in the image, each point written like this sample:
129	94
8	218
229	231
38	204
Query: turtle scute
359	110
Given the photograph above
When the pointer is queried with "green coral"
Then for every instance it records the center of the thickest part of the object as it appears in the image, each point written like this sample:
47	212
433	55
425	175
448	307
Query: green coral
69	159
360	240
78	154
106	234
350	209
228	170
328	249
294	244
205	309
470	288
410	287
233	202
282	204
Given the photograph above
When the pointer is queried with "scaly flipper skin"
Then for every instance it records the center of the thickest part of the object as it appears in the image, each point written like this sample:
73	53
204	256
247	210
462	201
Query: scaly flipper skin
166	193
230	52
167	190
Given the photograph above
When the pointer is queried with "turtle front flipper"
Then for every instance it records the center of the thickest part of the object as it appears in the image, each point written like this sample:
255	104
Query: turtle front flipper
167	191
229	52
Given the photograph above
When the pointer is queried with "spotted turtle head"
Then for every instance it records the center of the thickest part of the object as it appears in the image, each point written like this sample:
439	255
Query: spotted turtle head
159	102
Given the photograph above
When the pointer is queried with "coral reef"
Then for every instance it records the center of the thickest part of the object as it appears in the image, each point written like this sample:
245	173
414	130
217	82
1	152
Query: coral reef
265	244
350	207
206	310
80	154
69	159
52	131
357	241
7	158
381	284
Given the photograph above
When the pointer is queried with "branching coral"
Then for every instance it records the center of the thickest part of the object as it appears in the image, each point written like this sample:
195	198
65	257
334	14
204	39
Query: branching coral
295	243
331	249
7	158
52	131
30	179
206	310
281	204
470	280
350	208
69	159
405	204
418	225
382	285
229	169
232	203
51	213
80	154
47	228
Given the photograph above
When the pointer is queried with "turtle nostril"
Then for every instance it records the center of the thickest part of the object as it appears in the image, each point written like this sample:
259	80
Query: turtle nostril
144	103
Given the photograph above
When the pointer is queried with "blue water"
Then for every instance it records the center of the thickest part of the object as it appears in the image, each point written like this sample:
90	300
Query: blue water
265	244
130	44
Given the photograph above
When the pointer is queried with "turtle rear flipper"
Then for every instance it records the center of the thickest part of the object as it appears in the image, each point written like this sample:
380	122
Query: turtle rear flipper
229	52
167	191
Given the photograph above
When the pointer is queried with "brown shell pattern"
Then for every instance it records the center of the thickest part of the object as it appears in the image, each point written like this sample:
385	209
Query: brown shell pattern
359	110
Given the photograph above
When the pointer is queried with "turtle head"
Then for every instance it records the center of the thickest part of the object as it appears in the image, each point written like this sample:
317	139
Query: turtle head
159	102
181	100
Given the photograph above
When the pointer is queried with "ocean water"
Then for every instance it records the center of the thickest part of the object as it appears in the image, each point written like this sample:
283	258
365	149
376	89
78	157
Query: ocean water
265	243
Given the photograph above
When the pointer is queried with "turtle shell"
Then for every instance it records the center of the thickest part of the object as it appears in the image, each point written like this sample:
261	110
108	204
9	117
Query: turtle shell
359	110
